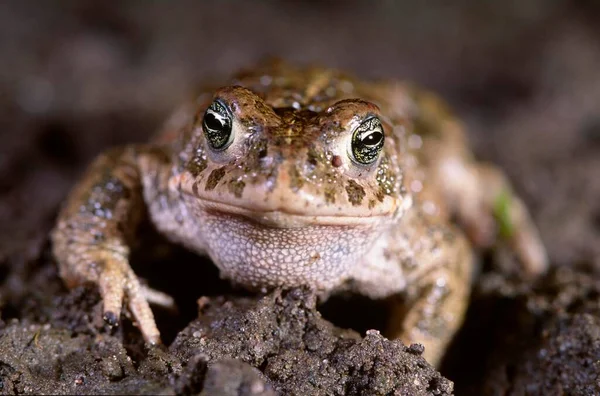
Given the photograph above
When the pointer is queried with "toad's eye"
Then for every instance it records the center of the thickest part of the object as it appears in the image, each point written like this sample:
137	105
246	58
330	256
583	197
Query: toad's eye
217	126
367	141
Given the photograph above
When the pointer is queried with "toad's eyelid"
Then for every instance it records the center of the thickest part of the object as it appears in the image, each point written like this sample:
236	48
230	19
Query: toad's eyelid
220	107
369	122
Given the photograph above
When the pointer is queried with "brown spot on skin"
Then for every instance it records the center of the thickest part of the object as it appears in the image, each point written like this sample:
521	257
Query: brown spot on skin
336	161
237	188
329	195
196	165
258	147
372	203
213	179
296	181
355	193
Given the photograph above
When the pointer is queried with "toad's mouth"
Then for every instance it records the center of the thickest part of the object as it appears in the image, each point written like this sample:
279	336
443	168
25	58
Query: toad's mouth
281	209
285	217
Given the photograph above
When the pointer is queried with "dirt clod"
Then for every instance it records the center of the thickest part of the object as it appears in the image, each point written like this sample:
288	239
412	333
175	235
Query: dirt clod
301	353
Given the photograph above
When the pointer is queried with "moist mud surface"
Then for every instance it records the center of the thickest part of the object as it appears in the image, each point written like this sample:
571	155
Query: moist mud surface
81	77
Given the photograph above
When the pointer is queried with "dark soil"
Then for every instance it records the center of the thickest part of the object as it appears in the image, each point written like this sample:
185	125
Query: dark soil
83	76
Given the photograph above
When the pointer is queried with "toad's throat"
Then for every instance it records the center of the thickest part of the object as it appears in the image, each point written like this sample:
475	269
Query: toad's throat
257	256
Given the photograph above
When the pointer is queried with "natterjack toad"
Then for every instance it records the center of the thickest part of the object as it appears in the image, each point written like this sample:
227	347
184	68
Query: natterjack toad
303	177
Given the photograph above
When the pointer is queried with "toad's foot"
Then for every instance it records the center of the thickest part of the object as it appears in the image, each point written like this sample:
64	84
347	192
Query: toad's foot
117	283
158	298
92	235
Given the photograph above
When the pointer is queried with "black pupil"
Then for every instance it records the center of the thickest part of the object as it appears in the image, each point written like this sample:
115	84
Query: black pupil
212	122
372	138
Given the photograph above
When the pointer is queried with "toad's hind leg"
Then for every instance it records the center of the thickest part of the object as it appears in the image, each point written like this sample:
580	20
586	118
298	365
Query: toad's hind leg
498	204
487	207
95	228
478	194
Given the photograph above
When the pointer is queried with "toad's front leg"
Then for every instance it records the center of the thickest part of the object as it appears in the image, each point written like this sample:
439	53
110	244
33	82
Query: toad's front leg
94	231
437	294
434	309
426	266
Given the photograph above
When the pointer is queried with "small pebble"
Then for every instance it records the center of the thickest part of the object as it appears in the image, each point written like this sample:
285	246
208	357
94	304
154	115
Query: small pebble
416	349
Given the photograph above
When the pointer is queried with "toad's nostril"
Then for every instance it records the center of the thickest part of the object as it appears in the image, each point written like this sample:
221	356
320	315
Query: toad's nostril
336	161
